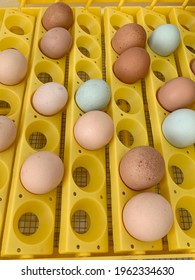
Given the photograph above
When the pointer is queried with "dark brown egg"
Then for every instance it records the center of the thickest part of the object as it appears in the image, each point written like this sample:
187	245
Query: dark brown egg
141	168
132	65
128	36
57	15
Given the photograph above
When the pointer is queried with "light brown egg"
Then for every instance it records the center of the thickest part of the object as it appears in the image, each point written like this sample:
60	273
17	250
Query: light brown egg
7	133
128	36
148	216
94	130
42	172
13	67
141	168
177	93
58	15
132	65
56	43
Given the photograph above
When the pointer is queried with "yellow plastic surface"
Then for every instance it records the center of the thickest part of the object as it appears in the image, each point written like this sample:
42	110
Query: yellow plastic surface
82	217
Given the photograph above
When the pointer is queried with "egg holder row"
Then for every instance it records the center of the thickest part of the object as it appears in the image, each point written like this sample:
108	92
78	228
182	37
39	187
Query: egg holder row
47	130
91	198
182	160
11	97
119	191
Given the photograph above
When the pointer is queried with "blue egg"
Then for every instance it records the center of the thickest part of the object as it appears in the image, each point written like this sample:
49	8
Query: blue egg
165	39
92	95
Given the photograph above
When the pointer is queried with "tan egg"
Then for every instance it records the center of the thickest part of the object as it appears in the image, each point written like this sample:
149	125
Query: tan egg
141	168
57	15
7	133
132	65
94	130
42	172
177	93
13	67
148	216
56	43
50	98
192	66
128	36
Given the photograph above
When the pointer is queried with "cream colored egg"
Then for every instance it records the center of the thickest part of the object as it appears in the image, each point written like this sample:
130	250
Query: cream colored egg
42	172
94	130
50	98
13	67
7	133
148	216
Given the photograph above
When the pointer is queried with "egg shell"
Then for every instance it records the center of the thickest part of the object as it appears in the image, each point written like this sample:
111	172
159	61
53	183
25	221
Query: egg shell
132	65
93	130
50	98
148	216
8	133
56	42
92	95
128	36
176	93
141	168
13	67
165	39
42	172
57	15
179	128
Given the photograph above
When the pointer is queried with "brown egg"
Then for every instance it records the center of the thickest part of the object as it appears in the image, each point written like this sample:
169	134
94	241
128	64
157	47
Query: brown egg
148	216
177	93
8	133
132	65
56	43
13	67
192	66
57	15
128	36
142	167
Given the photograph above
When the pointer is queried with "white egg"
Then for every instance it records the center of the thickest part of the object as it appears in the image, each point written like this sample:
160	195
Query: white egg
179	128
165	39
50	98
7	133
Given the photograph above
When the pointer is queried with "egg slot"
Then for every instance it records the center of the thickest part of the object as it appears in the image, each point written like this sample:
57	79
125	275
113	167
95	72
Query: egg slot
38	133
84	185
12	96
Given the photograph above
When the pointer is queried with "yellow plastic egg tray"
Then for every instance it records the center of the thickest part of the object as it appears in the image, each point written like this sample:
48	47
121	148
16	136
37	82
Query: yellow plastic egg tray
82	218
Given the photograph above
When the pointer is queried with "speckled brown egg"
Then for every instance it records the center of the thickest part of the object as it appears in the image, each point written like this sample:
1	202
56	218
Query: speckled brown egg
58	15
132	65
142	167
56	43
177	93
128	36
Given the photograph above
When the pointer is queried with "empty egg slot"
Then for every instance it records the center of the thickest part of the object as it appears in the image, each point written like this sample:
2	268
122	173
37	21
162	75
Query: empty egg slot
153	21
189	42
181	167
4	174
18	24
87	70
117	20
9	102
14	43
48	71
163	70
88	47
187	21
88	24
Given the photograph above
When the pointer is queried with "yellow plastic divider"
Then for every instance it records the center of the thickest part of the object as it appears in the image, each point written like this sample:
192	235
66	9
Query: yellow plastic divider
16	31
87	198
36	133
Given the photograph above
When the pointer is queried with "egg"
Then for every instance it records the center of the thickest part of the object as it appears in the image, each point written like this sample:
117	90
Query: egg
93	130
50	98
128	36
132	65
92	95
13	67
148	216
176	93
192	66
42	172
56	43
165	39
8	133
179	128
57	15
141	168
